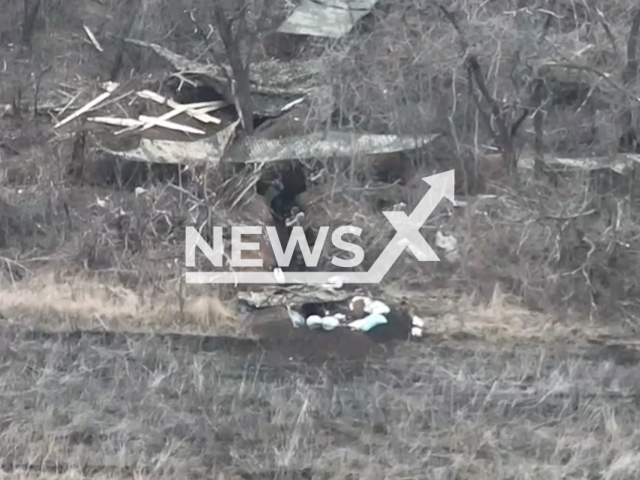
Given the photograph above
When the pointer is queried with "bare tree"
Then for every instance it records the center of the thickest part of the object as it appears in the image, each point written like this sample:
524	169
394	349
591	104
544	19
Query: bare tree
505	129
238	37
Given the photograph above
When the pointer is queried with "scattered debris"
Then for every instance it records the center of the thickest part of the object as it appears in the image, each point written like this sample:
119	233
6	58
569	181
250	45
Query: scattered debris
330	322
193	110
170	125
327	18
417	326
327	323
334	283
291	88
144	122
292	104
369	322
314	322
199	111
109	88
116	122
328	316
377	307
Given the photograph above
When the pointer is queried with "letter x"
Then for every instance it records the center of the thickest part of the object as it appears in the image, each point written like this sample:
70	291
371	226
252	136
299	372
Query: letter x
408	228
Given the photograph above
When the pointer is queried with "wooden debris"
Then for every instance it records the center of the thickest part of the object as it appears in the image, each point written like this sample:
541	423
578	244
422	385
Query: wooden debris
68	105
118	122
292	104
203	117
93	39
170	125
177	111
212	108
110	87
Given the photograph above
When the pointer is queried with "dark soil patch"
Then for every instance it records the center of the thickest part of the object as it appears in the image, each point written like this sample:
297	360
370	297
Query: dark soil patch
317	346
398	328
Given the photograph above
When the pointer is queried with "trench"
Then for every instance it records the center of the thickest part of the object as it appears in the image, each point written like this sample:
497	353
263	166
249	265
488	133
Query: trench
280	186
280	183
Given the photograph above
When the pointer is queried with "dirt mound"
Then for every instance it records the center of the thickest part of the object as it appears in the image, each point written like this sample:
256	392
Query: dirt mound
276	334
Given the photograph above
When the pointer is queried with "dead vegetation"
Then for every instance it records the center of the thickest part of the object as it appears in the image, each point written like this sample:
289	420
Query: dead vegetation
223	115
548	86
144	408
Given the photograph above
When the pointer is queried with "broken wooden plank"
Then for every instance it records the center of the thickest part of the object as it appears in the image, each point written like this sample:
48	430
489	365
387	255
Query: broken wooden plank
110	87
117	122
326	18
93	39
190	110
174	113
170	125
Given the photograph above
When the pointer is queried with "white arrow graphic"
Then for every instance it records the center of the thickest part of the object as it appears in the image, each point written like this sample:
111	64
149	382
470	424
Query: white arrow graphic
407	236
408	227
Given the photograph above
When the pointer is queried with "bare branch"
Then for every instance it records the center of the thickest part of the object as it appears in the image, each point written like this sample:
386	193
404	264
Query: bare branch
454	22
232	39
607	31
538	127
516	125
503	133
